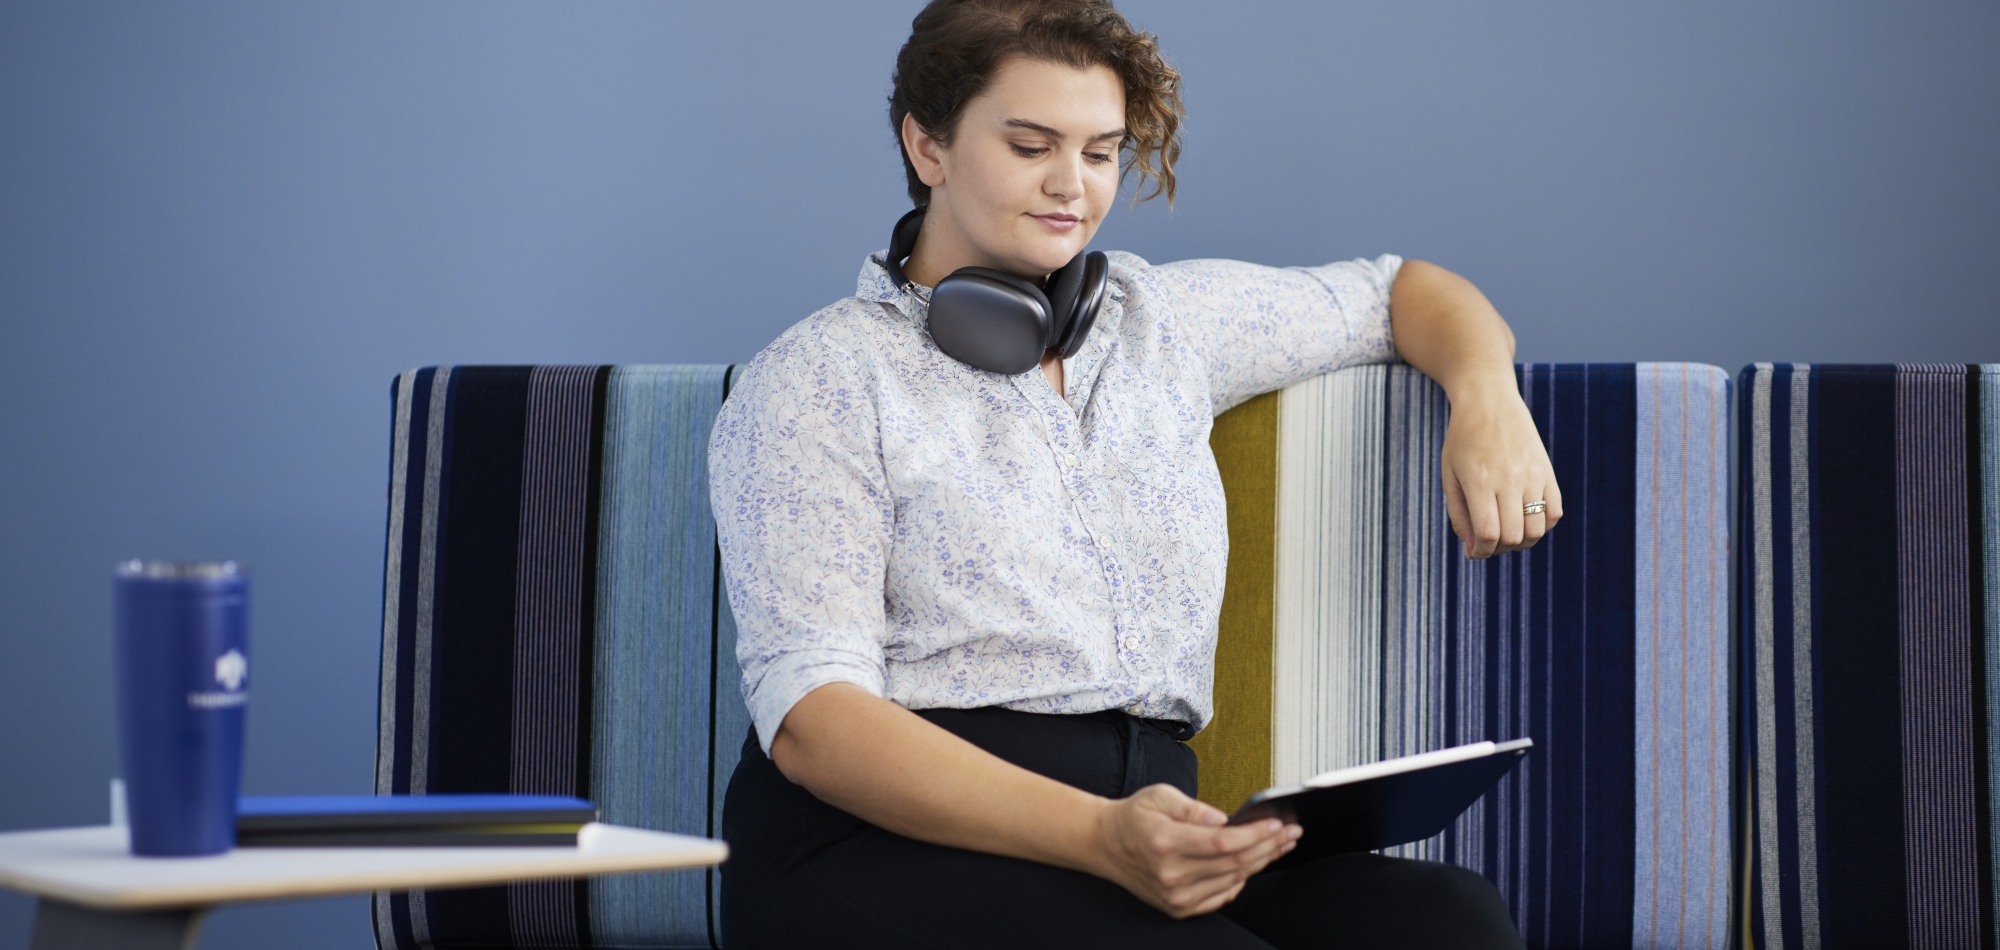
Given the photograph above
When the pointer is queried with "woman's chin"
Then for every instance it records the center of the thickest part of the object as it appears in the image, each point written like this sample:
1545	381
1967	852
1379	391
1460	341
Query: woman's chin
1045	259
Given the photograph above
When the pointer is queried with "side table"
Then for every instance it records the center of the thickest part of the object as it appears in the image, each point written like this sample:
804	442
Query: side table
95	894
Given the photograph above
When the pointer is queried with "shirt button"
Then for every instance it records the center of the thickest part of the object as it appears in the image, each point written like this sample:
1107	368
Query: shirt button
1132	643
1136	709
1070	460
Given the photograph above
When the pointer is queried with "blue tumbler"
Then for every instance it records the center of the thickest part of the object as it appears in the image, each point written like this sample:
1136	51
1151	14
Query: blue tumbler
183	657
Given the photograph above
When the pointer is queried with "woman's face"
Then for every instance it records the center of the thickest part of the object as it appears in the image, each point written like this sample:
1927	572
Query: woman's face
1030	173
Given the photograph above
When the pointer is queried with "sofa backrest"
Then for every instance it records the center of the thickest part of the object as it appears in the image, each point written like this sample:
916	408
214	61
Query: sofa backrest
1870	616
553	622
1353	630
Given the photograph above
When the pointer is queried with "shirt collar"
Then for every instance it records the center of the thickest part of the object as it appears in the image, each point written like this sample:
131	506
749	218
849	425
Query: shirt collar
876	285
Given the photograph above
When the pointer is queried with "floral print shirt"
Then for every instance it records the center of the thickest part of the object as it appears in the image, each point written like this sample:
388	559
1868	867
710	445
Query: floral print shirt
944	536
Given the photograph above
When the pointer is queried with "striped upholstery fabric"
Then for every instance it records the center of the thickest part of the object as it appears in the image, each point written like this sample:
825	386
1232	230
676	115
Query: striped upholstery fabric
1870	615
553	623
1352	629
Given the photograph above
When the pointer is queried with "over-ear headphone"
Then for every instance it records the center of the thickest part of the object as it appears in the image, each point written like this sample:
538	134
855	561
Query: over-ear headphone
995	321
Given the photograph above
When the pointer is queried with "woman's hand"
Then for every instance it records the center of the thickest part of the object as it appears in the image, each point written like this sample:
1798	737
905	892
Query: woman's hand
886	765
1494	464
1180	855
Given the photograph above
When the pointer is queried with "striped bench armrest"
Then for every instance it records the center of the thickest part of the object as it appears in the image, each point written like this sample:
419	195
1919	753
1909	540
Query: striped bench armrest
1353	630
553	623
1870	611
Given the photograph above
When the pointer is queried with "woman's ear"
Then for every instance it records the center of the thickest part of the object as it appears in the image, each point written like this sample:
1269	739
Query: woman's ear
926	153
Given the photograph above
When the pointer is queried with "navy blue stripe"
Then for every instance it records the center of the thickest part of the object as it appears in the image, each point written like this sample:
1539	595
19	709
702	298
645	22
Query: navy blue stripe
473	634
1530	826
586	651
1742	704
1591	639
399	917
1852	429
1564	844
1981	728
717	594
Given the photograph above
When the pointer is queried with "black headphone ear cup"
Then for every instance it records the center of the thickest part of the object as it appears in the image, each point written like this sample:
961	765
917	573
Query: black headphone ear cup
1063	287
1092	273
902	241
990	319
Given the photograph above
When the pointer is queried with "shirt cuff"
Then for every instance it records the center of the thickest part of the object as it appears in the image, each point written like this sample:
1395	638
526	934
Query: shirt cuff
1386	268
789	677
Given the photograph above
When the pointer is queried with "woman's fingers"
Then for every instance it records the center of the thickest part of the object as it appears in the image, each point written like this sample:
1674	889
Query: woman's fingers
1513	518
1186	860
1552	493
1533	527
1203	885
1484	513
1455	507
1222	843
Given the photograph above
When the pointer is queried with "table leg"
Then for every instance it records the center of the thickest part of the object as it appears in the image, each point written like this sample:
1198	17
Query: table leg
64	926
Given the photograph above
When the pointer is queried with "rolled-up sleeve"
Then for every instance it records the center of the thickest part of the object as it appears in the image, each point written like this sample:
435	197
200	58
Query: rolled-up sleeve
1265	328
803	515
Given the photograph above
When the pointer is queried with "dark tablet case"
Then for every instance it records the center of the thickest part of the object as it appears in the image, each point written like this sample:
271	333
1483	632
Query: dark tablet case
1380	812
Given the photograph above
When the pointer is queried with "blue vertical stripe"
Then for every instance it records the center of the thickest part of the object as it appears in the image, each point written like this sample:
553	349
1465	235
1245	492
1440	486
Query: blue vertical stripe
1681	755
655	643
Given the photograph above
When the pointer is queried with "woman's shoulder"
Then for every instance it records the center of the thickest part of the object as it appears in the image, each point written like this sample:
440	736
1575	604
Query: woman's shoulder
837	347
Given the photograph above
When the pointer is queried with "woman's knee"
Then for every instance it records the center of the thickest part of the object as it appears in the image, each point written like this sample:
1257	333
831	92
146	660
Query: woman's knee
1462	900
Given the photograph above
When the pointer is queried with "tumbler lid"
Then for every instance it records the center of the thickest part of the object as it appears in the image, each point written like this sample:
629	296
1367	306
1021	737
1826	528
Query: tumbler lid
180	570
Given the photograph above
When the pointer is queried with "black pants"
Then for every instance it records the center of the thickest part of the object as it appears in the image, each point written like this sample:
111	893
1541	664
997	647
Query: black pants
803	873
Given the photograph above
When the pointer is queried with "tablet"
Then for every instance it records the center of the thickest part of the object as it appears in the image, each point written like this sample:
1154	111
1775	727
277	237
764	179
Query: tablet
1383	804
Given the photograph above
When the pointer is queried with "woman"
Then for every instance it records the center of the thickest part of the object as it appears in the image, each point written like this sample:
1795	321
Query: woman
977	611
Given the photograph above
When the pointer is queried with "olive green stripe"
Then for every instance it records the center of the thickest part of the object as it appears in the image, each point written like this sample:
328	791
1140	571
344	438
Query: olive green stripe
1235	748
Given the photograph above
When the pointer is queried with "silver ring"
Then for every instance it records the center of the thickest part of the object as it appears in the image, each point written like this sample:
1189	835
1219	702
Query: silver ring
1534	507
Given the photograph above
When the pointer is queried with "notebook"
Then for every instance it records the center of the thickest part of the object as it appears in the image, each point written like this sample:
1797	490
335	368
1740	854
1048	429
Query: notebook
410	820
1386	803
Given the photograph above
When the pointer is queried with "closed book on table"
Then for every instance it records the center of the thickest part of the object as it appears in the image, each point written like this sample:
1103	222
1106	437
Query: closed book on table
410	820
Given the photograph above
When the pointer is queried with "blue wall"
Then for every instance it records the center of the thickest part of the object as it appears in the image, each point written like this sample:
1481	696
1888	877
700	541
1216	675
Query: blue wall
224	226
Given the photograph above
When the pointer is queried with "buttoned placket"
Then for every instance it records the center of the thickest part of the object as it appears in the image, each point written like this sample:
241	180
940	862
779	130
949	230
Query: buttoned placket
1060	416
1062	427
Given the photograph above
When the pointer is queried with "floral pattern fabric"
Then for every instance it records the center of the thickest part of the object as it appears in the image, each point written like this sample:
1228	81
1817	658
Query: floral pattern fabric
944	536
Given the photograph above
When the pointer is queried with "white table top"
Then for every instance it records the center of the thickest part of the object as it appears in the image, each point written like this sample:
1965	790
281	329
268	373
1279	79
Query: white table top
92	866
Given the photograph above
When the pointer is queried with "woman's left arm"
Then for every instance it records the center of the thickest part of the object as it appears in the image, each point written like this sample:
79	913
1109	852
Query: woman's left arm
1494	462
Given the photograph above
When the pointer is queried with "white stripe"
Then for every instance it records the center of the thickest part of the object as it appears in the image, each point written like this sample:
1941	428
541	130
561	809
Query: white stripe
1763	632
392	589
420	686
420	915
1327	617
385	925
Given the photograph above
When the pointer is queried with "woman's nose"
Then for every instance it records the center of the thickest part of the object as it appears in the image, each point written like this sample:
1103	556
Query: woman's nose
1065	179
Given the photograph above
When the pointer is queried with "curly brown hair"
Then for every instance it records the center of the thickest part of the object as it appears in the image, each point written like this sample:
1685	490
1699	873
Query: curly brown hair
956	46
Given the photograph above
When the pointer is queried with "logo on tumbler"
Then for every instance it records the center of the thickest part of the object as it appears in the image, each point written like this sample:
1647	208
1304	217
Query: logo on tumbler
230	670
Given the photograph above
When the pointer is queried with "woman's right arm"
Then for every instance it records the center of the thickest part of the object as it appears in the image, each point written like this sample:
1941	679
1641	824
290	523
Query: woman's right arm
805	517
888	766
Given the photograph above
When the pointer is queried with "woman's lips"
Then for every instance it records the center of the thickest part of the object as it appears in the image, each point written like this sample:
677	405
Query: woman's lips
1057	222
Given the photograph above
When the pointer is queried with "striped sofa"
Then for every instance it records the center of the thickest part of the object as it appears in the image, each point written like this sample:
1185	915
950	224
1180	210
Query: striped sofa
1352	630
553	623
1870	618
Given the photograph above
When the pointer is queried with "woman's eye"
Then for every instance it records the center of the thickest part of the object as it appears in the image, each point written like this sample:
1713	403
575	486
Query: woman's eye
1098	157
1026	152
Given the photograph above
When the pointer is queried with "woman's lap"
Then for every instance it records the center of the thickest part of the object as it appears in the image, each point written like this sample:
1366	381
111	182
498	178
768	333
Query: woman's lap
801	870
